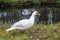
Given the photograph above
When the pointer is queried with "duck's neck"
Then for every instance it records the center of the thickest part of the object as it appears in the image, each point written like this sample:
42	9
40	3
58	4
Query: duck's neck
32	18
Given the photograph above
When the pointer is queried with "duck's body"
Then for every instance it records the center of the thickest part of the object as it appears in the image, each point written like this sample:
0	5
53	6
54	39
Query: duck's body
24	24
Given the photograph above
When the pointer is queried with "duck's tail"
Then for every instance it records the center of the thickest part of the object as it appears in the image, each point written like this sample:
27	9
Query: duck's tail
12	28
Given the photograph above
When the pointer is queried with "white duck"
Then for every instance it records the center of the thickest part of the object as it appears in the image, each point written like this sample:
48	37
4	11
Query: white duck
25	23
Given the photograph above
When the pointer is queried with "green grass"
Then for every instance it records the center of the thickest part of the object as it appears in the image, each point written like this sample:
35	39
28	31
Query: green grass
37	32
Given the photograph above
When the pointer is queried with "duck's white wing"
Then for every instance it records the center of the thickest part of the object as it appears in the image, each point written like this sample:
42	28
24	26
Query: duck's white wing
19	25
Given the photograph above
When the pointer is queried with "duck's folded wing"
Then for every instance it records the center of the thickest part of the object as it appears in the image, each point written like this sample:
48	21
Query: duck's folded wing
20	23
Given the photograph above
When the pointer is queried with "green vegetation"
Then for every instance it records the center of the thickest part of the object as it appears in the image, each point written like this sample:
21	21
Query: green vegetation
58	1
35	1
14	1
8	1
37	32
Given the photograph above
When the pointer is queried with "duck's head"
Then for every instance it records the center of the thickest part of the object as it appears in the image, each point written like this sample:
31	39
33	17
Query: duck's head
36	13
